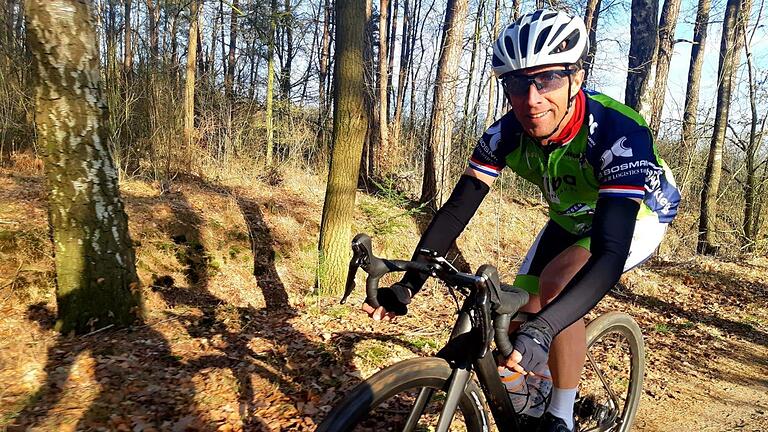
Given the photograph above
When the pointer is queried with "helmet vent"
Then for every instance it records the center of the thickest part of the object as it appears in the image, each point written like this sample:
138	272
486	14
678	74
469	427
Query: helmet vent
549	15
509	45
559	30
541	40
496	61
523	38
568	43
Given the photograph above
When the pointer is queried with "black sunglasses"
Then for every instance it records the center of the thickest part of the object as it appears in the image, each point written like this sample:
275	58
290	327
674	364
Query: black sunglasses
547	81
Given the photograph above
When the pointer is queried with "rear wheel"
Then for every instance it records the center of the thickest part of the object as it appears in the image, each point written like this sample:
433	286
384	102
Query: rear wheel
407	396
612	382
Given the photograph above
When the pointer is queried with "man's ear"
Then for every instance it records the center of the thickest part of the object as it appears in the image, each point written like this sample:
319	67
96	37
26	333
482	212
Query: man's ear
578	80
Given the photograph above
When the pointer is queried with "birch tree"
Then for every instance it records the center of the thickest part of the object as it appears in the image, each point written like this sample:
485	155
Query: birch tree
96	281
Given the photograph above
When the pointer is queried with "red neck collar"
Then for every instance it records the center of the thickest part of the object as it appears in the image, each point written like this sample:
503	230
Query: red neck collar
569	131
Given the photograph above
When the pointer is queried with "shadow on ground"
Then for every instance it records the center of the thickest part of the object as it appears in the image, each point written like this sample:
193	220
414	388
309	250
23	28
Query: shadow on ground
145	382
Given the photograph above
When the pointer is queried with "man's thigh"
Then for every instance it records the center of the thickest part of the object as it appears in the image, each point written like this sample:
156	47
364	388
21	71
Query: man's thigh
553	246
560	271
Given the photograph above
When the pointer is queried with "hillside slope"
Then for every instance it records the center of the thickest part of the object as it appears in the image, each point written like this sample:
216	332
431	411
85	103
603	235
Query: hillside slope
234	340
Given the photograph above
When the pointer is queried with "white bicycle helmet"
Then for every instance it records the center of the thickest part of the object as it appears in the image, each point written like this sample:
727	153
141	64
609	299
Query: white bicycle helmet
544	37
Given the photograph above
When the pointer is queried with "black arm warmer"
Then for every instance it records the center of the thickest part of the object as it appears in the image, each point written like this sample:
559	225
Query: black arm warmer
448	223
612	229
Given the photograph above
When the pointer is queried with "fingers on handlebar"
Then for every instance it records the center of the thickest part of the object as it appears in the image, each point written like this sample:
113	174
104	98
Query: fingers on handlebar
378	313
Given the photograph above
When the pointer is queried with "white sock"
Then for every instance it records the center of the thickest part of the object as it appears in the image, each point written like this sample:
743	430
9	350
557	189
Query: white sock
561	405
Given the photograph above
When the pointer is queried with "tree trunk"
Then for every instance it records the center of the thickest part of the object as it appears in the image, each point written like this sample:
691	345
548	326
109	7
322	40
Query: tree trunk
325	53
370	65
221	35
436	160
349	126
96	281
189	83
174	46
127	47
692	88
391	52
669	14
229	79
381	150
285	75
490	115
712	174
153	14
750	182
751	150
591	17
402	77
468	122
271	82
642	50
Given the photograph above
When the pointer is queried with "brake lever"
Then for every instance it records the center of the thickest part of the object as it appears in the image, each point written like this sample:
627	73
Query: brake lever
361	249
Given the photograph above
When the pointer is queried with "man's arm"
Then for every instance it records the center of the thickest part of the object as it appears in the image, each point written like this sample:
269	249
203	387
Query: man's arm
449	222
612	229
442	231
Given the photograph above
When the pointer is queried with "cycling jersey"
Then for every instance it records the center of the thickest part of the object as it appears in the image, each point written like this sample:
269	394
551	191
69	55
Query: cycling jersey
612	155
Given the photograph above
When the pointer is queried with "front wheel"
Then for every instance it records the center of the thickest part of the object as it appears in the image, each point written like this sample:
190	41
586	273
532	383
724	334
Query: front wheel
407	396
612	382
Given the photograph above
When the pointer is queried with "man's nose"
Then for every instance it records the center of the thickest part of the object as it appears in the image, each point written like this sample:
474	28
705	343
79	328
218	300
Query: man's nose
533	97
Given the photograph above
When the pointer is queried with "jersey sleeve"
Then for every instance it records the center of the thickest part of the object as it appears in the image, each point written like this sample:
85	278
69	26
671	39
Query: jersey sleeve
623	166
488	156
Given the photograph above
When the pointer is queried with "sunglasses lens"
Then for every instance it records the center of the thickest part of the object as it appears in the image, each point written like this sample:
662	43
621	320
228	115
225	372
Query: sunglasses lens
516	85
545	82
550	81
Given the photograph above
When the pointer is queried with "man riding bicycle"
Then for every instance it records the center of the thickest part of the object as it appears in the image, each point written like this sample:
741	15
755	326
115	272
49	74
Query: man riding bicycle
610	197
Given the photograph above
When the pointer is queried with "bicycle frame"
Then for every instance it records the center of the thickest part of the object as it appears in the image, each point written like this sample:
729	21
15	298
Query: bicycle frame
459	352
484	316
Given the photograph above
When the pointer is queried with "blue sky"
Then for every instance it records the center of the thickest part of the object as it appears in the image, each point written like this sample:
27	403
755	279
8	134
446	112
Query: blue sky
613	80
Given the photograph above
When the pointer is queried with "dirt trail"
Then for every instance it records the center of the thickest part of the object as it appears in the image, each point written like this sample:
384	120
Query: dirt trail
232	341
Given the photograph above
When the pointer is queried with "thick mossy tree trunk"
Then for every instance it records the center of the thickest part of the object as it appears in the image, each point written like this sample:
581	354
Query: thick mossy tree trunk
350	123
96	276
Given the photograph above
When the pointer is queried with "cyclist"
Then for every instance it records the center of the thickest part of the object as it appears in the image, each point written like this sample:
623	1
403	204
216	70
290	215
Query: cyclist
610	196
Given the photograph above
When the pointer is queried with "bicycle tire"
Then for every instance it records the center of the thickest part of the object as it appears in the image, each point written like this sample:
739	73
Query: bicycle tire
421	372
623	324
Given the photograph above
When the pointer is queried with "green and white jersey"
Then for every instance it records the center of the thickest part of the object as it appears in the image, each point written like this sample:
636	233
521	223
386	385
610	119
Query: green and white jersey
612	154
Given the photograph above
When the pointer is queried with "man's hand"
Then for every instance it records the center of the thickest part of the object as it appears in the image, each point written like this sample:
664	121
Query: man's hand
531	348
393	300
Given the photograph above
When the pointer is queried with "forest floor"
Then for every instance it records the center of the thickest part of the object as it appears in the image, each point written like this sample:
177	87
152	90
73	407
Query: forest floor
232	338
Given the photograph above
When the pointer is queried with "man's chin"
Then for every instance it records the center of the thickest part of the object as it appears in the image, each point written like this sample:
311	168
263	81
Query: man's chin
538	133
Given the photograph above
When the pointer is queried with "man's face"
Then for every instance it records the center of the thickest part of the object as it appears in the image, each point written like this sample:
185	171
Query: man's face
540	111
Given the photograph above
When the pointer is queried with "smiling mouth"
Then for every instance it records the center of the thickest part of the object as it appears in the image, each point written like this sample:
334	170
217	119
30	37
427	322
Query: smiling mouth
539	115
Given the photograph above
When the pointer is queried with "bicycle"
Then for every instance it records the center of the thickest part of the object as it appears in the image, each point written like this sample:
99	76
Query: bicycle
408	395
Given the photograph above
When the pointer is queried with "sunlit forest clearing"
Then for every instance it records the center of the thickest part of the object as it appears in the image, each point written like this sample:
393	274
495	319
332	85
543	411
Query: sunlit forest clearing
180	182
